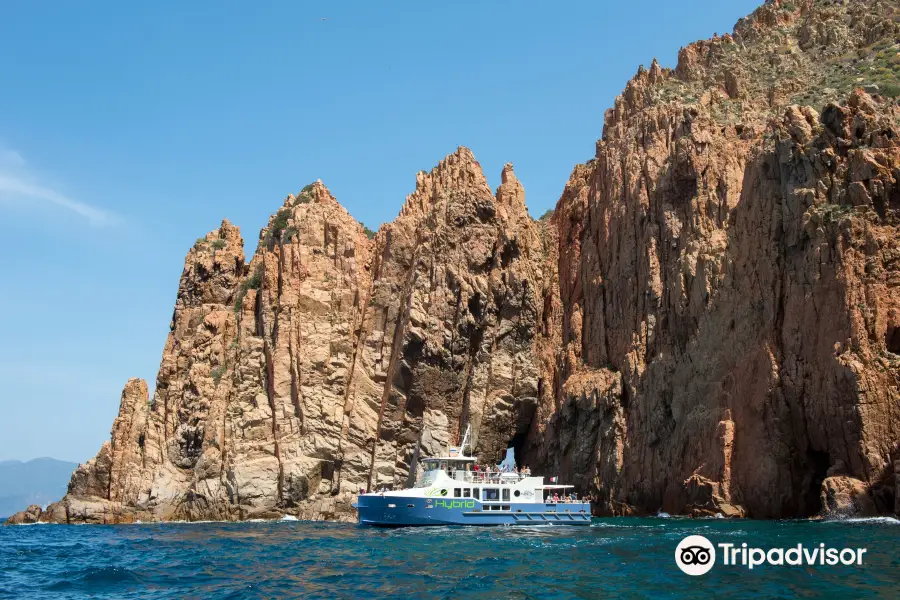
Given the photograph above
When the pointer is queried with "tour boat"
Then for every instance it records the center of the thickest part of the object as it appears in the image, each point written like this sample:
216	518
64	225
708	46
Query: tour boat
451	491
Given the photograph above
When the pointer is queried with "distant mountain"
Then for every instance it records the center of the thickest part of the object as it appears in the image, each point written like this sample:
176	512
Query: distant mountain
39	481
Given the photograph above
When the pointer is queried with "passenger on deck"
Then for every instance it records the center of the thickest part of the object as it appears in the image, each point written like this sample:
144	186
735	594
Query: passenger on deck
555	498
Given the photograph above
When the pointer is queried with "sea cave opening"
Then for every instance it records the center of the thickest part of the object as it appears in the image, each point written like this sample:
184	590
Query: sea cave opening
517	443
520	443
811	501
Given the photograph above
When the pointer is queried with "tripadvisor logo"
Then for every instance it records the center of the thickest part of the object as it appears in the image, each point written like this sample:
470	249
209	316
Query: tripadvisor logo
696	555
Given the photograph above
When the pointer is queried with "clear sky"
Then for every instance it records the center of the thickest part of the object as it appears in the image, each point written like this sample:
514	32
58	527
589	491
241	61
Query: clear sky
128	129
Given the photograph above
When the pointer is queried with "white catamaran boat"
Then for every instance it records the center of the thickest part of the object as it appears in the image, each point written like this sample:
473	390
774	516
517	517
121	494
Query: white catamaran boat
454	491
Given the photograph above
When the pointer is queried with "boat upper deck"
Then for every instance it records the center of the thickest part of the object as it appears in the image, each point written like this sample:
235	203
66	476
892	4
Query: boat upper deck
464	469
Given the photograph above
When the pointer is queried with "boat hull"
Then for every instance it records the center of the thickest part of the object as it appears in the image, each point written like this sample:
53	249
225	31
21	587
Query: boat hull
397	511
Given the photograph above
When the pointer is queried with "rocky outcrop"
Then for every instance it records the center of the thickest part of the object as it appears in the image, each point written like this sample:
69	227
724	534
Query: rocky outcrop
729	278
459	347
289	383
30	515
708	323
845	496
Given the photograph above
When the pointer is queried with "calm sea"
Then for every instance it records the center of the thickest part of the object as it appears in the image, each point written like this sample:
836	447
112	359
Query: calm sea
613	558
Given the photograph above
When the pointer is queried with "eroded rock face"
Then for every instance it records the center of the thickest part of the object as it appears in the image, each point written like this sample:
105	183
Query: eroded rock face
731	258
708	324
455	308
288	384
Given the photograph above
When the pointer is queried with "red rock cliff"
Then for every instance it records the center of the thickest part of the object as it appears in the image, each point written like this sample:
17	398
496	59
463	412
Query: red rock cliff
708	323
730	278
289	383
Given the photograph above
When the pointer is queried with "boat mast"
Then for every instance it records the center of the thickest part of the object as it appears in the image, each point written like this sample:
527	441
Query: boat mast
465	442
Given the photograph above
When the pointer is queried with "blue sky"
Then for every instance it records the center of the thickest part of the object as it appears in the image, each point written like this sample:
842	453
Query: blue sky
127	130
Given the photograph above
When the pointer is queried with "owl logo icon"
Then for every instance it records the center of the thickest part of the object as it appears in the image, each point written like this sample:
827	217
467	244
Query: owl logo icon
695	555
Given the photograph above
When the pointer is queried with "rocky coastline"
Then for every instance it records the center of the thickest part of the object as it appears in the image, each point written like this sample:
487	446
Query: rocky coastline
707	324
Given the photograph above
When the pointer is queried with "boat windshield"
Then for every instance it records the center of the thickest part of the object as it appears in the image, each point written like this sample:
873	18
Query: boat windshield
454	468
449	465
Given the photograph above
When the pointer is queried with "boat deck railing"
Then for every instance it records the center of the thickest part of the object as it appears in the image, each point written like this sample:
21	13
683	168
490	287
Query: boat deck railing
489	476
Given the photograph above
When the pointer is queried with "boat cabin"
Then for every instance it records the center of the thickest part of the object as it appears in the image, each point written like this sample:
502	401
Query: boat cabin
458	478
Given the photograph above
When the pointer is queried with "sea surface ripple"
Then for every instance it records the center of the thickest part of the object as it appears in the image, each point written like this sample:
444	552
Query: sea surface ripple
626	557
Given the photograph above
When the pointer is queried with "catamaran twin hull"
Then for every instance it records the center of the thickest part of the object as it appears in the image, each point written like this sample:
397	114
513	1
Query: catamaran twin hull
396	511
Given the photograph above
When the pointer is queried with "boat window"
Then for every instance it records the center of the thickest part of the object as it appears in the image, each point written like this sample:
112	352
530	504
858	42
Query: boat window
475	493
491	494
517	493
504	507
443	465
457	493
506	494
466	492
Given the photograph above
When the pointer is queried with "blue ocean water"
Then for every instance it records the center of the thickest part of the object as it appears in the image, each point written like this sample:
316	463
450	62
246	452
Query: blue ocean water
626	558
